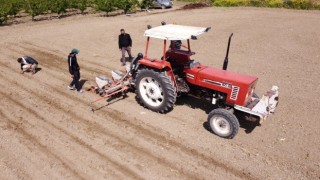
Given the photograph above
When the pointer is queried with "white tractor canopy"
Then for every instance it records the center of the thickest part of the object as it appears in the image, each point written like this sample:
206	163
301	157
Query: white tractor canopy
175	32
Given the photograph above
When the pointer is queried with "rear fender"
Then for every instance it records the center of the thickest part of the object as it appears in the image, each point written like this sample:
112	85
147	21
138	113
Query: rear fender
159	65
154	63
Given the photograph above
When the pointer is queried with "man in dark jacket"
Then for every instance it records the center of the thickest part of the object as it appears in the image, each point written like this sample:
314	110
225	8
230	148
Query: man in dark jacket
177	44
74	70
28	63
125	44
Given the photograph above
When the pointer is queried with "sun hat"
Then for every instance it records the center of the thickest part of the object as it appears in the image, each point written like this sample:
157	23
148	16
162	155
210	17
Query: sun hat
75	51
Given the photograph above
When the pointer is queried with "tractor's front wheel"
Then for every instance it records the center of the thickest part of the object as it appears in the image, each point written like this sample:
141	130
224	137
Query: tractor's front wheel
155	90
223	123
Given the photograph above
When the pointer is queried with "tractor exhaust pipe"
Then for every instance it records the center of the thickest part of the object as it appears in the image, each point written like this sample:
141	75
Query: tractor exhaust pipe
226	59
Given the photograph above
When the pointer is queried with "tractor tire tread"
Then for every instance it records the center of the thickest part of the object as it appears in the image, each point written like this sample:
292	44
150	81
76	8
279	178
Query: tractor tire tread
232	119
167	86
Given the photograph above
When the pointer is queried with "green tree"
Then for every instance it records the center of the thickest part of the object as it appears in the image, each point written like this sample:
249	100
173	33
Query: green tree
58	6
73	4
301	4
105	5
127	5
4	10
37	7
258	3
145	4
231	2
15	6
79	4
82	5
275	3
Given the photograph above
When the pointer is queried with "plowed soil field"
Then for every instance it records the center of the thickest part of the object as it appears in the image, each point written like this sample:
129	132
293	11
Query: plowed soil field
50	132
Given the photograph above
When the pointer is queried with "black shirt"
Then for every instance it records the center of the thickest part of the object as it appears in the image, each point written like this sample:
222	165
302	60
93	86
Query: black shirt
73	64
124	40
28	60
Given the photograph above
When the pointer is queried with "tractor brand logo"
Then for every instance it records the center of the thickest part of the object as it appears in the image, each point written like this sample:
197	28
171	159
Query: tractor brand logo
222	84
226	85
234	92
190	76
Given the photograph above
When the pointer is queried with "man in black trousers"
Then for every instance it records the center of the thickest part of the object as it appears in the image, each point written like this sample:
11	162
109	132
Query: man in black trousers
74	70
125	44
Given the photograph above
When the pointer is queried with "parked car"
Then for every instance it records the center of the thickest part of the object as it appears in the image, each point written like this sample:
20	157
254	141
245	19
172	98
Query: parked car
163	4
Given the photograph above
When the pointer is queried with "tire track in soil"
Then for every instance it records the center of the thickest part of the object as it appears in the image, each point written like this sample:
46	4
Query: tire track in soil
56	52
21	165
150	133
136	149
16	171
167	140
115	114
71	114
36	94
45	129
32	139
51	60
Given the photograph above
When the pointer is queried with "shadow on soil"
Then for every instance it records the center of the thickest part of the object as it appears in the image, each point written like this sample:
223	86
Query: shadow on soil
37	70
195	103
127	59
113	99
82	82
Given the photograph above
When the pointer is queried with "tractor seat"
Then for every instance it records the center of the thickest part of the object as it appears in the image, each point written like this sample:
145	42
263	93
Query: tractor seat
178	56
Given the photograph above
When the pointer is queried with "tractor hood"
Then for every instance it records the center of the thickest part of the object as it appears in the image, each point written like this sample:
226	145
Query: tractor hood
238	87
210	73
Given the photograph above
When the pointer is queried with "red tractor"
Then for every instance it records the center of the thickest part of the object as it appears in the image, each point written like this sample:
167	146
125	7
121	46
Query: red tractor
158	82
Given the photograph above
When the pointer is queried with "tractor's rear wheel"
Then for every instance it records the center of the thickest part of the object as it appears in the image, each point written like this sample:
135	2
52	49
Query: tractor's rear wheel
223	123
155	90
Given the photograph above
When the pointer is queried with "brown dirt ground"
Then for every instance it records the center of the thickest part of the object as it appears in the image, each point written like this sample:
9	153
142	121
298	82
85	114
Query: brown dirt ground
49	132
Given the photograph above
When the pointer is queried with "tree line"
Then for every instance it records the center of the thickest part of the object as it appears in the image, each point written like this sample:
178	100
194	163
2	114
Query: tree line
37	7
290	4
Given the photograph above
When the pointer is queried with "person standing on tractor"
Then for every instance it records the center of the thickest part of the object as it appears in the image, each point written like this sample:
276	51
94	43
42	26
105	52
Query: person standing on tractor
28	64
125	44
74	70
